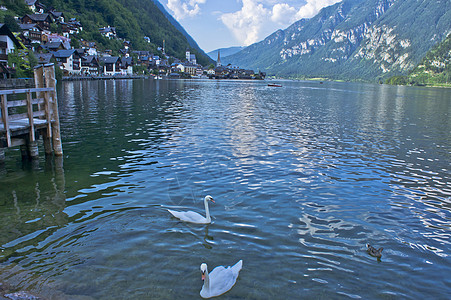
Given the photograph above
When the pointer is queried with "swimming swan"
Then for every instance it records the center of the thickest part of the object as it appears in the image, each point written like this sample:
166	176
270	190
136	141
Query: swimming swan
220	280
194	217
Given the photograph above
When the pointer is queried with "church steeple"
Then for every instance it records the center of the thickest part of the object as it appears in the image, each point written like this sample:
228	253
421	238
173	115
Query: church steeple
218	61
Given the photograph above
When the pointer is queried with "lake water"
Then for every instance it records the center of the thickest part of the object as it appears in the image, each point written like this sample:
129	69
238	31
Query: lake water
304	176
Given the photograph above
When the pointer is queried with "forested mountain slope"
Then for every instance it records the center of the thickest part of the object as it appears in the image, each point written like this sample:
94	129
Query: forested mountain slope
133	19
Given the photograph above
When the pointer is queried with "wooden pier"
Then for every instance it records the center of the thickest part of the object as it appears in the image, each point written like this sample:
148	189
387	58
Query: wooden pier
22	122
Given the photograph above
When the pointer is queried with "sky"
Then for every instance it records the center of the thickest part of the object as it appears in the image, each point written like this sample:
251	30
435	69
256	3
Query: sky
215	24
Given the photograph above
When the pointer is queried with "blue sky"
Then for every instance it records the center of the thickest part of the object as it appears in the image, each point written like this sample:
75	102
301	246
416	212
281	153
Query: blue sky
217	24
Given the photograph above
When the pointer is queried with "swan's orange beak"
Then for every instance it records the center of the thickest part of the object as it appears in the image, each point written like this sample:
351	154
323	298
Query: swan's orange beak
213	200
203	276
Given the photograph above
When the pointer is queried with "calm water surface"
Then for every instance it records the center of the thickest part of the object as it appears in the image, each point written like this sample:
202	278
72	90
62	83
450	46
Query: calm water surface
303	177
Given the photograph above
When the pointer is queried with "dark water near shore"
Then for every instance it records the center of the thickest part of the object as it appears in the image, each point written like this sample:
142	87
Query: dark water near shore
303	177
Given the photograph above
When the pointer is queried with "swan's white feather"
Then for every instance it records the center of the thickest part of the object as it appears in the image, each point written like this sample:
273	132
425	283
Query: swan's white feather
221	280
194	217
189	216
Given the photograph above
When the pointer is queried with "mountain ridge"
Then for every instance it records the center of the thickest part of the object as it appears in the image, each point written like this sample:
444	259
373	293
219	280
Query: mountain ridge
192	43
224	52
352	39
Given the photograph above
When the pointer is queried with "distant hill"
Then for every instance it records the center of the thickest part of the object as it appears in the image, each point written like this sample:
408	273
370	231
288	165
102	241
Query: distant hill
133	20
353	39
224	52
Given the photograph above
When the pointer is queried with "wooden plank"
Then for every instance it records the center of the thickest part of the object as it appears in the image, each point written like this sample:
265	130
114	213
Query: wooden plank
39	113
30	116
18	142
17	103
24	91
17	117
4	108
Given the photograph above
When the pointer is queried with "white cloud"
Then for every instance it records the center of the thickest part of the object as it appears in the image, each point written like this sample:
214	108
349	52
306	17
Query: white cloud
182	9
312	7
259	18
282	13
246	24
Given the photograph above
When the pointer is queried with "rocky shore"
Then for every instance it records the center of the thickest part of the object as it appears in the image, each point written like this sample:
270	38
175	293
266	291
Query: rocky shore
17	283
6	293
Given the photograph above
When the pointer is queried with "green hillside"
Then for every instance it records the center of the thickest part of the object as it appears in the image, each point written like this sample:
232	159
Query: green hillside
434	68
133	19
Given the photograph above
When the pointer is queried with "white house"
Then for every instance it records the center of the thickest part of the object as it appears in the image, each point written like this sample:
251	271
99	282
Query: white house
111	65
127	65
8	43
31	5
187	69
109	32
8	40
69	61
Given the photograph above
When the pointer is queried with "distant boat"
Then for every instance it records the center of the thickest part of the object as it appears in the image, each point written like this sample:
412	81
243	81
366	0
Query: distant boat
274	84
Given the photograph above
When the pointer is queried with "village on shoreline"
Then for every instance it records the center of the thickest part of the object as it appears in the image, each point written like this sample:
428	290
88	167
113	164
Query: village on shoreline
46	36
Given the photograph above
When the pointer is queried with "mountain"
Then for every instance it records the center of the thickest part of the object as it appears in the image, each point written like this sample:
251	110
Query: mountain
224	52
352	39
133	20
192	43
434	68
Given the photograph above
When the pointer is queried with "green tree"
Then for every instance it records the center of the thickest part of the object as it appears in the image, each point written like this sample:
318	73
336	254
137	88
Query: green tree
11	23
75	43
397	80
33	61
19	60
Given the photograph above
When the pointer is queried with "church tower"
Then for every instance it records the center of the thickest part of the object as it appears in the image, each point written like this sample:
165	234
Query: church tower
218	61
187	55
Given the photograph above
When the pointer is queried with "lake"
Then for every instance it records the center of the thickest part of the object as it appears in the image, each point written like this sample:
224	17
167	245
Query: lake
303	177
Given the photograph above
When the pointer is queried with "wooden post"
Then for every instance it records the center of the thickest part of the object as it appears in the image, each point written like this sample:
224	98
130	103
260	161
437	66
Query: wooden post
47	143
50	81
47	115
24	152
4	105
39	81
30	117
2	155
33	150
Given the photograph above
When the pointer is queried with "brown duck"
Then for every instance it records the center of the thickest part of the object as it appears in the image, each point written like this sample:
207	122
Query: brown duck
373	251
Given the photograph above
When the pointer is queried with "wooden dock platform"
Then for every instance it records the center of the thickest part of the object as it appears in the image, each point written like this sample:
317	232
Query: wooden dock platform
23	121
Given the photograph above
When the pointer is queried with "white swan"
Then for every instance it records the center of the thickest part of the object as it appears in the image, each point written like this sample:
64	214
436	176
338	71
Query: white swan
220	280
194	217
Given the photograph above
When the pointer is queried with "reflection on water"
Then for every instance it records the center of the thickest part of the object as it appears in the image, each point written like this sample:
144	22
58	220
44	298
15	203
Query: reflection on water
31	205
303	177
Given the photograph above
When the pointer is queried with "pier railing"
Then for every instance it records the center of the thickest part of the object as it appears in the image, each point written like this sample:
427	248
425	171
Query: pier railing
22	122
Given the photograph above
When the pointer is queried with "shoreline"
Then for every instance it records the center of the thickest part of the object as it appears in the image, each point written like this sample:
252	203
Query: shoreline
14	83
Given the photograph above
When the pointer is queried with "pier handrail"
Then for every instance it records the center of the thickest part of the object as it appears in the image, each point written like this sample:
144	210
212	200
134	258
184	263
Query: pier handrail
22	91
23	121
9	121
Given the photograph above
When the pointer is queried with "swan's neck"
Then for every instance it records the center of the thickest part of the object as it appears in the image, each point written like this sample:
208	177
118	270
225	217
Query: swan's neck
207	211
207	281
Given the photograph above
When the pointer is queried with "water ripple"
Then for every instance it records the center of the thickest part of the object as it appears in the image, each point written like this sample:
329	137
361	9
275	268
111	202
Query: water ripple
303	178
